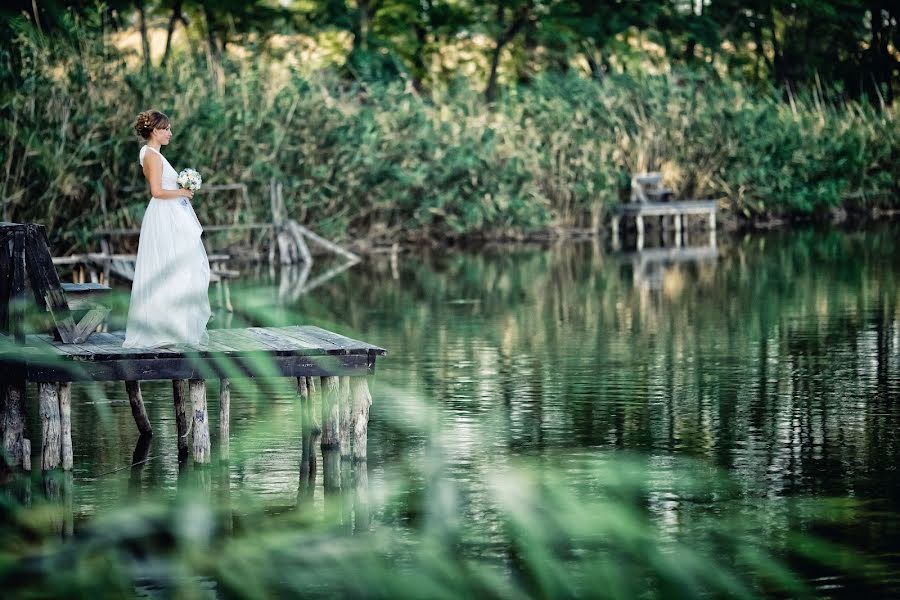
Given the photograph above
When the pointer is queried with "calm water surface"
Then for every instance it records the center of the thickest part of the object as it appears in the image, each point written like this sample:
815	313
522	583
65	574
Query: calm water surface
775	365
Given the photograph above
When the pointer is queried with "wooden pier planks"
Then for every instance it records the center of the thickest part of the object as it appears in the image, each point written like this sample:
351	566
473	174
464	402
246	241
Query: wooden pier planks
287	351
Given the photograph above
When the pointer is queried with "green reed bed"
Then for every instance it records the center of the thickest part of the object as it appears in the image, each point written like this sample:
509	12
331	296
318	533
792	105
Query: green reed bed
372	159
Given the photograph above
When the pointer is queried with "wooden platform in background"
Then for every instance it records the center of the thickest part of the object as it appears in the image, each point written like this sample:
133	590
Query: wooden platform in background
250	352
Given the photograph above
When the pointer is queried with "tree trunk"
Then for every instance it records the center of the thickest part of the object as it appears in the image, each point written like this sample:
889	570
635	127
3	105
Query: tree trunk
504	38
173	21
145	41
211	42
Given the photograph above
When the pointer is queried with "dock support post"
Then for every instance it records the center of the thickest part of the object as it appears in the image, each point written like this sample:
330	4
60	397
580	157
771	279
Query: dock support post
614	225
303	395
360	401
314	425
330	412
678	233
179	393
712	220
224	417
48	400
201	421
639	223
65	417
138	411
344	428
16	447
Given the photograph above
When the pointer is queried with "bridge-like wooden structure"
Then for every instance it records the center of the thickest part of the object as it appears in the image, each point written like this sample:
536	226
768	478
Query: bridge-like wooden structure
330	369
649	198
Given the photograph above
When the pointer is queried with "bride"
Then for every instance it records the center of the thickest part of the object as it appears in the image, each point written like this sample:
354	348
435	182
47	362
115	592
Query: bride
169	295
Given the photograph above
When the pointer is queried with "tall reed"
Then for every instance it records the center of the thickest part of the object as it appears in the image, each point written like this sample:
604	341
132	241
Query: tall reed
370	159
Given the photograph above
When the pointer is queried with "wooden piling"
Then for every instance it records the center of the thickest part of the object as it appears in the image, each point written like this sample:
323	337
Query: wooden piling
331	419
224	417
314	402
138	411
201	421
344	412
65	419
12	424
179	393
362	513
331	472
360	401
48	401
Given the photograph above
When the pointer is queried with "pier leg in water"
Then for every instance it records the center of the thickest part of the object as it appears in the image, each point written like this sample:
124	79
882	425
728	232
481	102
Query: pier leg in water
361	510
344	413
614	225
138	411
639	223
360	401
12	424
201	421
314	401
224	417
65	417
179	394
330	413
48	399
53	491
138	460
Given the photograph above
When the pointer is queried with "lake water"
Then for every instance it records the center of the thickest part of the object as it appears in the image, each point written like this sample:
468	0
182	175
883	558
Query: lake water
757	386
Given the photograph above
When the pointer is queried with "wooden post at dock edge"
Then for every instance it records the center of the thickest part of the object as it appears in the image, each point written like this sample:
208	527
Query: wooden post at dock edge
200	421
65	418
48	403
360	401
224	417
344	410
330	412
138	410
12	426
179	393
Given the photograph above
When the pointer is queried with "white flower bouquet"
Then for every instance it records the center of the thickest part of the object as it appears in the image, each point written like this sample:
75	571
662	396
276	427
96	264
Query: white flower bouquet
190	179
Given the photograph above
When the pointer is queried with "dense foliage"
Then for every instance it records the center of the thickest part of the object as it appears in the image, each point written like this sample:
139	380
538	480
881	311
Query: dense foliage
365	148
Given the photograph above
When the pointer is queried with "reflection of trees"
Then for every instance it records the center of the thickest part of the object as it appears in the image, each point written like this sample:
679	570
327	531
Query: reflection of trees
779	361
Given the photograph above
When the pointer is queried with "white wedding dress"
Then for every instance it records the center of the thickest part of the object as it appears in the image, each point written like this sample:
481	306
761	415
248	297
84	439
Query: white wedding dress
170	292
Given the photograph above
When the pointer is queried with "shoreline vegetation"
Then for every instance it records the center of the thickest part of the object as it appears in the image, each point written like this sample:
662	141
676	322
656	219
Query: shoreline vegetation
376	162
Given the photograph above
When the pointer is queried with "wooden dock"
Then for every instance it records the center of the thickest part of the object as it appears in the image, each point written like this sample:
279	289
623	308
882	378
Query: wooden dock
323	362
320	360
678	211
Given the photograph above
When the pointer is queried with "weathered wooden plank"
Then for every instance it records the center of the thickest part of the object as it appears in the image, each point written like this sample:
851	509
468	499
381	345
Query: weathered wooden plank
283	343
238	343
299	334
86	288
259	344
187	368
45	284
17	288
6	269
343	341
277	336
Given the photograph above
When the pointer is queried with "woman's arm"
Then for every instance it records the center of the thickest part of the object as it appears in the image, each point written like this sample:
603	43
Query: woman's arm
153	173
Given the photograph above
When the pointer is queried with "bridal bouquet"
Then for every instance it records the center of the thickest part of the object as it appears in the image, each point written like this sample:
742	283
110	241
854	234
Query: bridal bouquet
190	179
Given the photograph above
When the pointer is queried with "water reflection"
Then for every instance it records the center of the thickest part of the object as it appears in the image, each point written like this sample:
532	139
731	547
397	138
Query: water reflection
774	360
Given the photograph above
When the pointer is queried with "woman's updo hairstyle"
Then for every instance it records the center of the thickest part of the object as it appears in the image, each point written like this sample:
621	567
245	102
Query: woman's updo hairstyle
149	120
